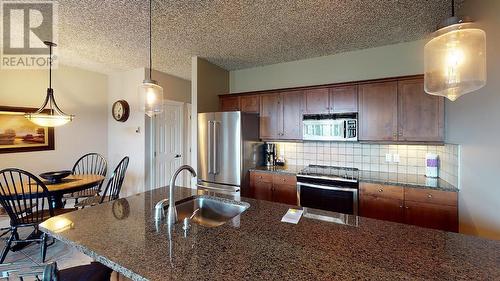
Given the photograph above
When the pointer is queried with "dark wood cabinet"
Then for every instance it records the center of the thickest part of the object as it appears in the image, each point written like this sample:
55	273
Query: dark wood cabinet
389	110
422	207
421	116
274	187
281	116
250	104
229	103
381	208
431	215
292	115
270	116
378	111
344	99
317	101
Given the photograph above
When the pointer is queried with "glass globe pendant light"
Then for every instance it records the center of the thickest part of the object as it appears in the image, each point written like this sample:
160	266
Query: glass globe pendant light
49	114
150	93
455	59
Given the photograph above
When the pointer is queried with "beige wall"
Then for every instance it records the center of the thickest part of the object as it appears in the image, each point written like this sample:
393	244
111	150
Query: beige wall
212	81
473	122
387	61
78	92
123	140
174	88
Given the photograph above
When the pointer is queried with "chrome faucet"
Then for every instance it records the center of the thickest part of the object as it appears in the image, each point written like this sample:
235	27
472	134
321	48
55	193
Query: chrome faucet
172	211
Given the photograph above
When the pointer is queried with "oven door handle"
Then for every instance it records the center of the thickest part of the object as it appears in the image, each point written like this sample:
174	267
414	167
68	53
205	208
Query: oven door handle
354	190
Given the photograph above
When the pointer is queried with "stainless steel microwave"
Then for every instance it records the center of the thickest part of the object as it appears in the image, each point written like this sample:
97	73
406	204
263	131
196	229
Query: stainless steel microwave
330	128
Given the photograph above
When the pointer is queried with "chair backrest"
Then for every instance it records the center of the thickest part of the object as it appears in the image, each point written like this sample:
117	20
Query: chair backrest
112	191
24	197
91	163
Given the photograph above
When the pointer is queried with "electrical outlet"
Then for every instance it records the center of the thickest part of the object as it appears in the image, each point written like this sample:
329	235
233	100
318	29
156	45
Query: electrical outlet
396	158
388	158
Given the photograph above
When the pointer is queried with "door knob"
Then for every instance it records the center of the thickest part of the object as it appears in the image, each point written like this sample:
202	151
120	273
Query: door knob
178	156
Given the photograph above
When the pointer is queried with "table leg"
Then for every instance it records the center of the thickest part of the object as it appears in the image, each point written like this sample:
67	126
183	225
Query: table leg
56	201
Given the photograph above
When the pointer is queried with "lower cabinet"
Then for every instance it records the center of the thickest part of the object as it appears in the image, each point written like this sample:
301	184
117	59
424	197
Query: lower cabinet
273	187
422	207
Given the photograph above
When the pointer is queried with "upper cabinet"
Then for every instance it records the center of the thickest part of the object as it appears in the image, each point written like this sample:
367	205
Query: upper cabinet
270	116
421	116
317	101
400	111
281	116
250	104
292	115
389	110
342	99
229	103
378	111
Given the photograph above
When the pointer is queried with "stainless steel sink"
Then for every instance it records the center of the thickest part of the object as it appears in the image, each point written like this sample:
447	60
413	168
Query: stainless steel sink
209	211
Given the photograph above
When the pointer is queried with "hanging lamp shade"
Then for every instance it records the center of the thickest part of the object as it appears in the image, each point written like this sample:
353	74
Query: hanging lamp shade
151	97
150	93
455	59
49	114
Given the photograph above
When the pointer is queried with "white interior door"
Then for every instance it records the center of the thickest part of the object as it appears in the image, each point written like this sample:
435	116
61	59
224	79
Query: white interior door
168	142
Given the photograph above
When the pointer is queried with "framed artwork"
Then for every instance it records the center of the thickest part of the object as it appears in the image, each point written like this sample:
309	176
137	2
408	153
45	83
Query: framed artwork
18	134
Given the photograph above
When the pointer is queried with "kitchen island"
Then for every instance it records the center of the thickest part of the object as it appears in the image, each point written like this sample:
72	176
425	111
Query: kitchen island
257	246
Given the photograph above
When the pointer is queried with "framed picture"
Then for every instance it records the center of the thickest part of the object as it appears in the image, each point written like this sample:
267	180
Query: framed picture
18	134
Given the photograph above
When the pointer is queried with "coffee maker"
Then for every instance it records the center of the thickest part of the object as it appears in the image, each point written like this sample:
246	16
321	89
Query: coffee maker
270	154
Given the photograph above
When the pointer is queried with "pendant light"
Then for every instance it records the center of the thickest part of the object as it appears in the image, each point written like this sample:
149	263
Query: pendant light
455	59
49	114
150	93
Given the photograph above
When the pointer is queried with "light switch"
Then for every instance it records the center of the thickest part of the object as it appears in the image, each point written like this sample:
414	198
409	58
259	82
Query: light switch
388	158
396	158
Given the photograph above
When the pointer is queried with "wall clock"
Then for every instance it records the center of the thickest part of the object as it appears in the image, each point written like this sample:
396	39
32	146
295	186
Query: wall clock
120	110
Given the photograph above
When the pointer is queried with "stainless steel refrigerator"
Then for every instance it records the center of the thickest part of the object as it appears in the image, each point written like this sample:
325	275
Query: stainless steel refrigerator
228	145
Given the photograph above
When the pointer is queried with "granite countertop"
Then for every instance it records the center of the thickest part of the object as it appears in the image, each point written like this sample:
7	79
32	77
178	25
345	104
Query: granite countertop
407	180
257	246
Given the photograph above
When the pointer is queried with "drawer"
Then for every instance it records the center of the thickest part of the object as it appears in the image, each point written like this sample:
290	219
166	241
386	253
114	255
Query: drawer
380	190
262	177
431	196
284	179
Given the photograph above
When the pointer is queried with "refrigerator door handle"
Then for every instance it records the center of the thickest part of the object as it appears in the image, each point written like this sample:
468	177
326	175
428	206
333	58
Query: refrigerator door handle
215	152
209	144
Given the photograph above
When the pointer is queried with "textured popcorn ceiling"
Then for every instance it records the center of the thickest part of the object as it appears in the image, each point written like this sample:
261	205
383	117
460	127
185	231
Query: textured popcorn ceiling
111	35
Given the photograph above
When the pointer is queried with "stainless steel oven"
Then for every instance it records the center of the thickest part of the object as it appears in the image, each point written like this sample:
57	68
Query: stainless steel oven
329	188
330	127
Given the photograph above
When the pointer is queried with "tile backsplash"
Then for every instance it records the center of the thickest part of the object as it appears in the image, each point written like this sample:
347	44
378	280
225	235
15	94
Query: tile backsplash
372	157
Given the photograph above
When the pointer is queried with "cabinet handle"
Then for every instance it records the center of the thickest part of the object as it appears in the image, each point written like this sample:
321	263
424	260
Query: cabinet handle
283	179
406	207
400	134
429	195
395	135
380	190
400	206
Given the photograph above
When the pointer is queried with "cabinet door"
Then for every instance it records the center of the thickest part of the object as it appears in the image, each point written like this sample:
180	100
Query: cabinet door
378	111
250	104
284	193
292	115
229	103
431	215
381	208
316	101
270	116
344	99
261	186
421	116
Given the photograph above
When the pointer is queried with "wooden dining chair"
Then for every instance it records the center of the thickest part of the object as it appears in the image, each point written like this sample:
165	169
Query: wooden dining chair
113	188
89	164
25	198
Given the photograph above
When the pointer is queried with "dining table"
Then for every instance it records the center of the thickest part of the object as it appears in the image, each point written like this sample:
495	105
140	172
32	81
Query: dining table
70	184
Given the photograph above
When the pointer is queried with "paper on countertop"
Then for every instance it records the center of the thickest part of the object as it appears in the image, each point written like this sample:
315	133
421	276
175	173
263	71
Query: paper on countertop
292	216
